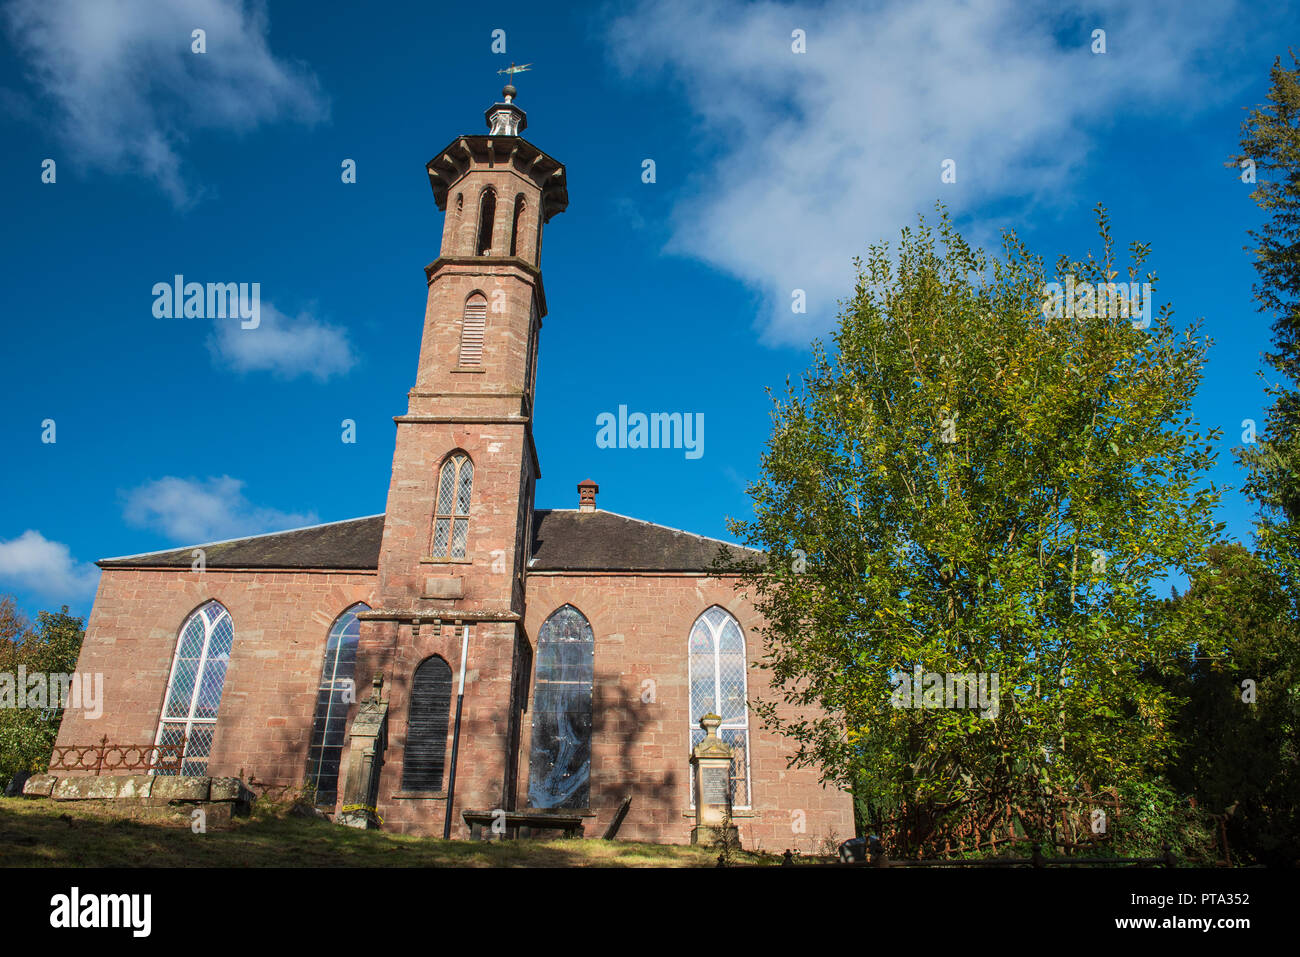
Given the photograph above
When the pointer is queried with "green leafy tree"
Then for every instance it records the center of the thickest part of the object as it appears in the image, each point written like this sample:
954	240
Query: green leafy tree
1240	724
1241	759
27	735
1270	150
965	484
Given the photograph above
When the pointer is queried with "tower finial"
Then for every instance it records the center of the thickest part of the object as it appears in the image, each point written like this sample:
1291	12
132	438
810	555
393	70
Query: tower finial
510	92
505	118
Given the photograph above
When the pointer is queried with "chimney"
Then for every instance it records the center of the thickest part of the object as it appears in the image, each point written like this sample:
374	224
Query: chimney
587	496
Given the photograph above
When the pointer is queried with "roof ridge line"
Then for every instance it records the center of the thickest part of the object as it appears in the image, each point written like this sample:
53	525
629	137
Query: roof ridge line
707	538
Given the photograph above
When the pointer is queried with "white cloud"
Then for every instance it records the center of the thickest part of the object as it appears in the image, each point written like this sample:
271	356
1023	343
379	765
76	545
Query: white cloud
286	347
33	563
127	90
192	512
814	156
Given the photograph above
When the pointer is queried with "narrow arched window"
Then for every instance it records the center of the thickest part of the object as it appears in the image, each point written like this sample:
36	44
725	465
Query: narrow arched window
486	217
559	764
194	688
451	512
336	692
719	684
515	223
472	328
425	755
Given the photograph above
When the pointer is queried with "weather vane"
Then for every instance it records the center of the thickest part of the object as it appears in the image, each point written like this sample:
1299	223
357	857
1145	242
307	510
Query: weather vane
511	70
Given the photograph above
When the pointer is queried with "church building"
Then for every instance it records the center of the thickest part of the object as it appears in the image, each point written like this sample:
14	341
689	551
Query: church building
590	644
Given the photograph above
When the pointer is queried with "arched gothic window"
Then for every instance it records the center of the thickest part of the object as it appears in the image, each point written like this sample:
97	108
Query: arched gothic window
194	688
514	225
559	764
451	511
336	692
486	217
472	328
425	755
719	684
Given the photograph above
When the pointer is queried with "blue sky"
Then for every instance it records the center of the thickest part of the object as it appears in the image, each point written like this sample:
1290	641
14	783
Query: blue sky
773	169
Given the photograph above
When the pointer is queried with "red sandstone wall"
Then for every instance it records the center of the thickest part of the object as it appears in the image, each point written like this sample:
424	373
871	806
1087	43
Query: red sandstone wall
281	625
497	451
460	227
481	770
641	623
510	291
282	620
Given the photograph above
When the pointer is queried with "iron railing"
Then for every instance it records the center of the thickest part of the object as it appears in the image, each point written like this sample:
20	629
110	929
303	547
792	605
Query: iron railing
104	756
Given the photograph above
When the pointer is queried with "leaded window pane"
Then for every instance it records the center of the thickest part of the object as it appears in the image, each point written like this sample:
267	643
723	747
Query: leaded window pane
451	511
465	485
738	740
194	687
701	640
446	487
209	697
731	691
716	618
169	734
223	636
198	746
199	743
730	639
559	766
718	683
192	638
702	688
182	690
333	699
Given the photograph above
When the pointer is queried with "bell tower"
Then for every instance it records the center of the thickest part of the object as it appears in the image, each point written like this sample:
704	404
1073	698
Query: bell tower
457	527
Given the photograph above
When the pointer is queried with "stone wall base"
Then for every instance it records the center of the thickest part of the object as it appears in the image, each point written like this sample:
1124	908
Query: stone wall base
711	835
165	799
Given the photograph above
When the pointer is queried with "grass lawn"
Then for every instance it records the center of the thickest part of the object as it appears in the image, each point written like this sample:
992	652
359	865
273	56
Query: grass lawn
37	832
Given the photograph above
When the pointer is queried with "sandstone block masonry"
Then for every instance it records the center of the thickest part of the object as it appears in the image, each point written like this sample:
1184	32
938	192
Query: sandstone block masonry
158	798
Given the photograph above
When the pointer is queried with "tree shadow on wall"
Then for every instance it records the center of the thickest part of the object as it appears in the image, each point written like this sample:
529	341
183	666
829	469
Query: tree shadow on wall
621	716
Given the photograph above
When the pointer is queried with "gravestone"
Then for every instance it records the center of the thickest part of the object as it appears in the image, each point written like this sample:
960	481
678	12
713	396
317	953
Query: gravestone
367	742
15	786
711	769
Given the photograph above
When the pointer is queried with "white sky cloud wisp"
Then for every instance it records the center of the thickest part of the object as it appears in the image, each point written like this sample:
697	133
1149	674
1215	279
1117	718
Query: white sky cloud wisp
127	90
189	511
285	346
32	563
813	156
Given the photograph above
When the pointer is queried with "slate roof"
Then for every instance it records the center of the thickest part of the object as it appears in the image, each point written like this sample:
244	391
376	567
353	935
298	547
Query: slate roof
350	544
570	540
563	540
